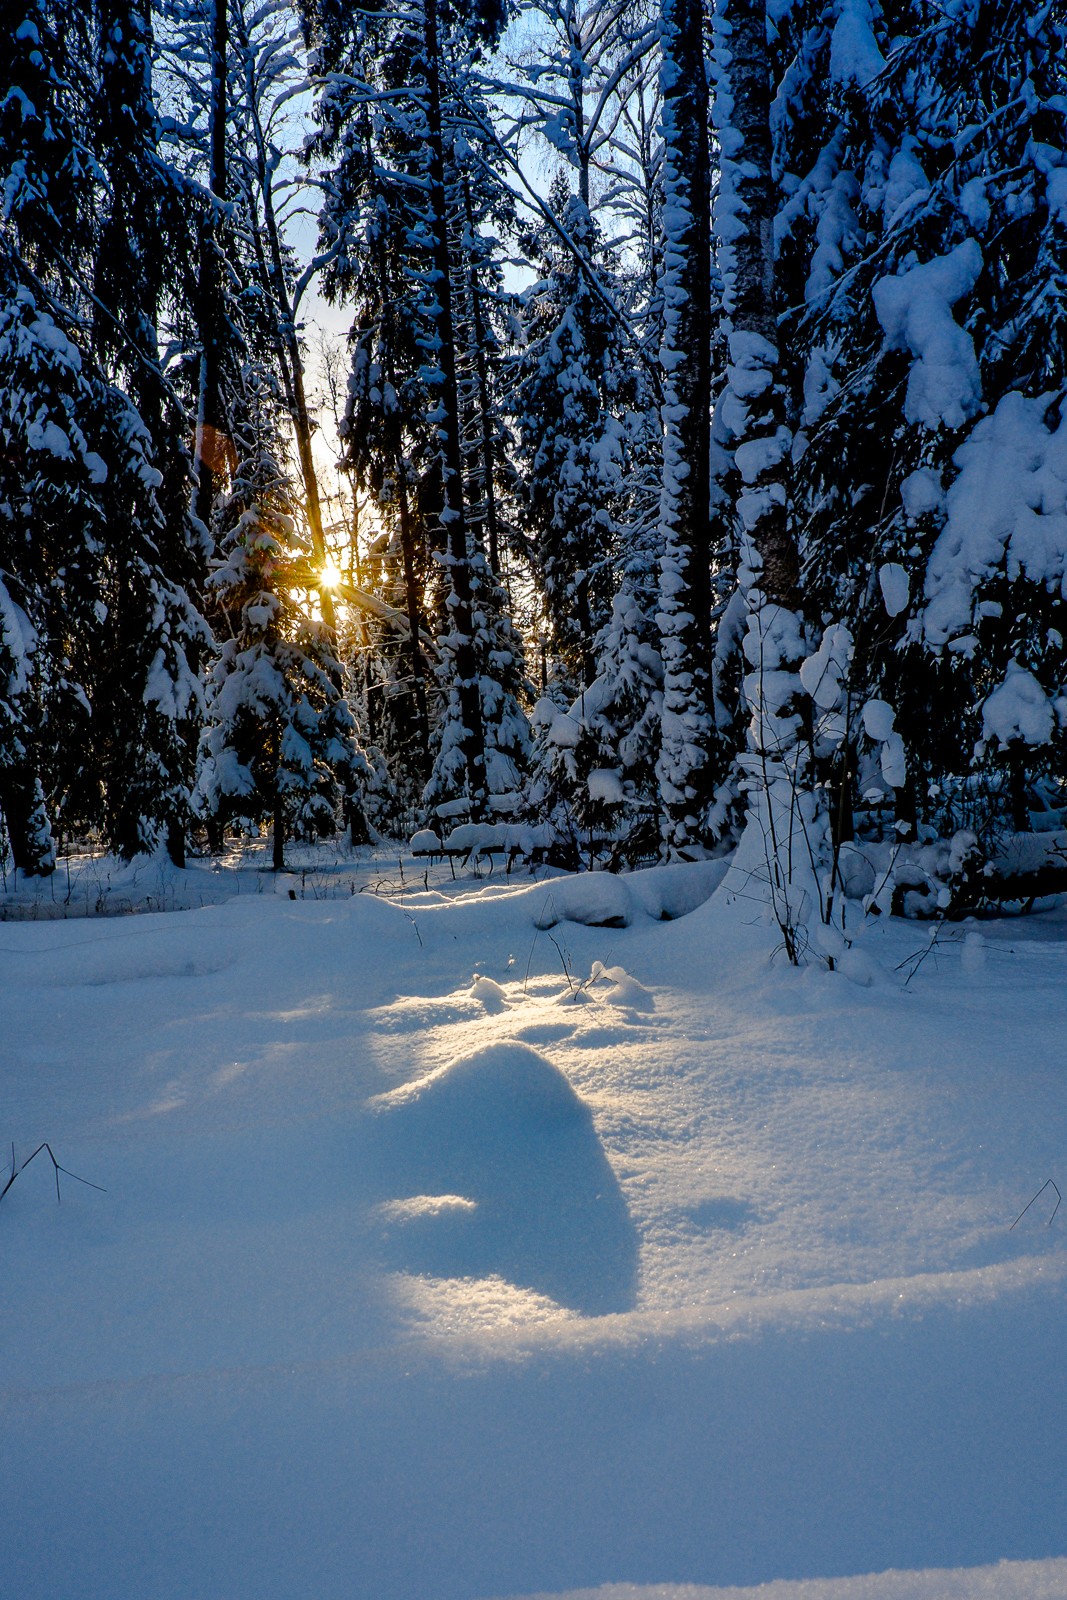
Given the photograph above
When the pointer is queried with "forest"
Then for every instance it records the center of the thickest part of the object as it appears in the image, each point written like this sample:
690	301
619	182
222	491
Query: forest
679	465
533	799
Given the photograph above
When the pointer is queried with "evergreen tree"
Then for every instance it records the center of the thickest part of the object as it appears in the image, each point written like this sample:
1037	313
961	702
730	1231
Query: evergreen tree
402	236
572	392
931	294
98	561
278	741
155	560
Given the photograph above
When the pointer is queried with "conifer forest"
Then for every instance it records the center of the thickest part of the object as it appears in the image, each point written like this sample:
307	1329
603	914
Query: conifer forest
608	430
533	799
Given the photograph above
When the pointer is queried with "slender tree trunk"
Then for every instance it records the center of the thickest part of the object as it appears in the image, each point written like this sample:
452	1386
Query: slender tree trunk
481	365
412	598
212	444
685	581
754	313
453	515
577	87
278	837
787	844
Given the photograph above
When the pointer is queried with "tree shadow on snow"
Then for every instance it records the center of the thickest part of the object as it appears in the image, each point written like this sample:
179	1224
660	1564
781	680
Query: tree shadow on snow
493	1166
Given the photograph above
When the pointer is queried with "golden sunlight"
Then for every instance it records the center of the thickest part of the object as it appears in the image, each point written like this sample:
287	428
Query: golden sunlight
330	576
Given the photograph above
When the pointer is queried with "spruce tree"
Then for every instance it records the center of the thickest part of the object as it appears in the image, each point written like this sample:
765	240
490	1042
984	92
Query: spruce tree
278	743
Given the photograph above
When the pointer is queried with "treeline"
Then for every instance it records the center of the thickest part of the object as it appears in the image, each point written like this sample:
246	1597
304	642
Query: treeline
701	425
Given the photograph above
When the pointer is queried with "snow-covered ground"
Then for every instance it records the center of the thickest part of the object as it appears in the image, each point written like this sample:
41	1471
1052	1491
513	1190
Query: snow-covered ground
455	1248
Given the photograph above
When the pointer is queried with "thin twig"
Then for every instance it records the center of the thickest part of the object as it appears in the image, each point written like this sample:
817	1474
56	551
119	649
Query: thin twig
1048	1183
58	1169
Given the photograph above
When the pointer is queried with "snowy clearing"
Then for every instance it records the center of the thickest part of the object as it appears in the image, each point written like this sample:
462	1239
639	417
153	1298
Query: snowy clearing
456	1248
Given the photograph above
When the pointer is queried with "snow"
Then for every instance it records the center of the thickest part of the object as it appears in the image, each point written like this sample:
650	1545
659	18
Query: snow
50	437
878	719
915	311
640	1260
19	639
1008	1580
825	674
854	54
906	184
1007	508
605	783
921	492
894	761
895	585
1018	709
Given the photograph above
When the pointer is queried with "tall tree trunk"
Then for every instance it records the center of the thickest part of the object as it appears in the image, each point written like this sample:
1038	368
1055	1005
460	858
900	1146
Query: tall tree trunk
213	450
285	322
412	596
213	447
577	88
453	515
479	334
753	312
786	844
685	580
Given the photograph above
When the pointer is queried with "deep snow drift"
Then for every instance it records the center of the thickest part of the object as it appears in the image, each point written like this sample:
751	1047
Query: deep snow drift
455	1246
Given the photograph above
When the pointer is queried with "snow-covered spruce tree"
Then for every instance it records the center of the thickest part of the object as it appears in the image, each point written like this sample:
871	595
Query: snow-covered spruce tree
785	846
278	742
484	323
397	141
88	506
375	264
982	318
594	778
932	293
572	392
155	559
479	211
584	423
685	584
45	182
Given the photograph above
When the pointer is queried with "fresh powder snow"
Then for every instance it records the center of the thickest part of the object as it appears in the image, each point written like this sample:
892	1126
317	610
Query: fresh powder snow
639	1265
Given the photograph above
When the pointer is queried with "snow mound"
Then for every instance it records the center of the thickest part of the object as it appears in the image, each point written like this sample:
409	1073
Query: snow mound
500	1082
417	1207
604	900
496	1170
622	989
1008	1580
597	899
488	992
674	891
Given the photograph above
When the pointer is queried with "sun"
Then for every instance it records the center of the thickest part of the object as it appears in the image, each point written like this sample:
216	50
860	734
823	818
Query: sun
330	576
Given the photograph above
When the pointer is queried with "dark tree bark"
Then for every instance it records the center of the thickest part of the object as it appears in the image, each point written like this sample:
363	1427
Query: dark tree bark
685	584
753	302
213	446
453	515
